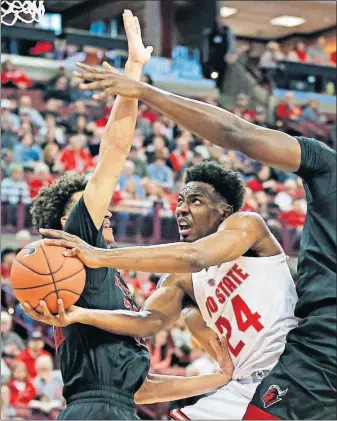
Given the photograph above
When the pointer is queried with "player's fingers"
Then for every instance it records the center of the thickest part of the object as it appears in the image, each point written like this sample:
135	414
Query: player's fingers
87	68
215	345
60	308
110	68
45	309
91	75
136	25
58	234
72	252
127	19
149	49
50	233
103	84
31	313
102	96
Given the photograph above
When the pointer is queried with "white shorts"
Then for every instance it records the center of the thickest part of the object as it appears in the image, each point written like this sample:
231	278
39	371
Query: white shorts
228	403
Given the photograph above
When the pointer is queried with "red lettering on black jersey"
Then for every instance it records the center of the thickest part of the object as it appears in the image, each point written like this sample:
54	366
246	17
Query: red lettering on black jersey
58	336
123	288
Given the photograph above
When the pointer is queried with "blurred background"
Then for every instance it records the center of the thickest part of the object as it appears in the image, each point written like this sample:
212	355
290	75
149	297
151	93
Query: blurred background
270	62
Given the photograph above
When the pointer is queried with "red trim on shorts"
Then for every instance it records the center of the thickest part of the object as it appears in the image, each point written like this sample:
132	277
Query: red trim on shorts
255	413
176	414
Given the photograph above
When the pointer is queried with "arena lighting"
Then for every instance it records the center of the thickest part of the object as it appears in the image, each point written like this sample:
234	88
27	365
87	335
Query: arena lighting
214	75
227	11
289	21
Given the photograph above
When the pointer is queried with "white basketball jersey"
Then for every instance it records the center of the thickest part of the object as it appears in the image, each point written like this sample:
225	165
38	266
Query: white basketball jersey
251	301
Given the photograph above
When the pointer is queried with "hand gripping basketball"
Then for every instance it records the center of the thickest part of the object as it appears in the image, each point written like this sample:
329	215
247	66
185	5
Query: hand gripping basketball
89	255
42	272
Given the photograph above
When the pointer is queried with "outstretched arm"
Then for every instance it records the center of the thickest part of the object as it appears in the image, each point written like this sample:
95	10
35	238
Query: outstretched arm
118	134
160	310
159	388
239	233
215	124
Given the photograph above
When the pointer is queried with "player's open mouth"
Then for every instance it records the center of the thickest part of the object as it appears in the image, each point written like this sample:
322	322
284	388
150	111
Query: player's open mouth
106	224
184	226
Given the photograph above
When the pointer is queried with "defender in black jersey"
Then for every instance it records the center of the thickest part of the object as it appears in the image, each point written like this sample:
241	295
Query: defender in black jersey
303	384
101	372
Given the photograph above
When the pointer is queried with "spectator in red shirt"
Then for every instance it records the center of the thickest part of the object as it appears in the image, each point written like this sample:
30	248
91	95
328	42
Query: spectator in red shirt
288	109
10	75
76	157
33	351
333	58
182	154
22	391
299	53
41	178
296	216
262	180
147	113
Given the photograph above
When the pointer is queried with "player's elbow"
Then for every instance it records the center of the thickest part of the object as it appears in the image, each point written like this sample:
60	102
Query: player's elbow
151	324
196	259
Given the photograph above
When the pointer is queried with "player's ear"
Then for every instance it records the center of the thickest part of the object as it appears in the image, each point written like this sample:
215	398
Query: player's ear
63	221
226	210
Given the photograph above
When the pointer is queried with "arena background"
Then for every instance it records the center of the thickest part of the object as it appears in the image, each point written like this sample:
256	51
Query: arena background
230	53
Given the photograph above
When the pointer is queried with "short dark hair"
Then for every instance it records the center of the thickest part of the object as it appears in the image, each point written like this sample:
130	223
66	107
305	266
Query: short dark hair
52	201
227	184
5	252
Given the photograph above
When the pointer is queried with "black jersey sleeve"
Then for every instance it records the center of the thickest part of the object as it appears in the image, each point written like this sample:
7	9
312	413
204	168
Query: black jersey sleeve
81	224
317	158
317	169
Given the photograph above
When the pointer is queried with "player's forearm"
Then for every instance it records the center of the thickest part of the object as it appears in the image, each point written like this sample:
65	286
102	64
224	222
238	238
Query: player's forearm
206	121
170	258
123	322
161	388
120	127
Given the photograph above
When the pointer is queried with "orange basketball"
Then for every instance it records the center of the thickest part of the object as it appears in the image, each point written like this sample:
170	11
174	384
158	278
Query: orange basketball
41	272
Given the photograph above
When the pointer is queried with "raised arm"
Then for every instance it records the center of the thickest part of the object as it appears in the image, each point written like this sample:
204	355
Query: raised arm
118	134
160	310
240	232
215	124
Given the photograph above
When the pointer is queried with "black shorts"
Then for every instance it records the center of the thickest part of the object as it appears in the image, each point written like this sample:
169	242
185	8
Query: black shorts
302	385
97	405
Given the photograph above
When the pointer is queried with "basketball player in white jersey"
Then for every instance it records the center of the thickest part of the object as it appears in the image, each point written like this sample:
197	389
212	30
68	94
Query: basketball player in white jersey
231	267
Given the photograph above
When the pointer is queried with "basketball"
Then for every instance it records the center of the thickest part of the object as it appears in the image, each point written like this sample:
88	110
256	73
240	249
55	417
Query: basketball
42	272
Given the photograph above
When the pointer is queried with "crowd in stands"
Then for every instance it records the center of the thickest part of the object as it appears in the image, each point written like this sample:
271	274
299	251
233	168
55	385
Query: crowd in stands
48	132
314	53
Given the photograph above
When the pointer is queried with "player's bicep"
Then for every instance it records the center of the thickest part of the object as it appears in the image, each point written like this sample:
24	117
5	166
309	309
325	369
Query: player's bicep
239	233
272	147
166	301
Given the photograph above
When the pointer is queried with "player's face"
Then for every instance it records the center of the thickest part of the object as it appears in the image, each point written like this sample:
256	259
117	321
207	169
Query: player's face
200	211
107	230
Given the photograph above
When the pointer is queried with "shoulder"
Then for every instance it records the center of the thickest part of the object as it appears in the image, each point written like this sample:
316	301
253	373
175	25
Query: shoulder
244	220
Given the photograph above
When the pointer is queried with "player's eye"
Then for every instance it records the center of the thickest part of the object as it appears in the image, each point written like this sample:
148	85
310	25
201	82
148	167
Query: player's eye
196	202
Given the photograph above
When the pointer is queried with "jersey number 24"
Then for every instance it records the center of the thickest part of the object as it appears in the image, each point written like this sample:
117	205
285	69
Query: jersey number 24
244	319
